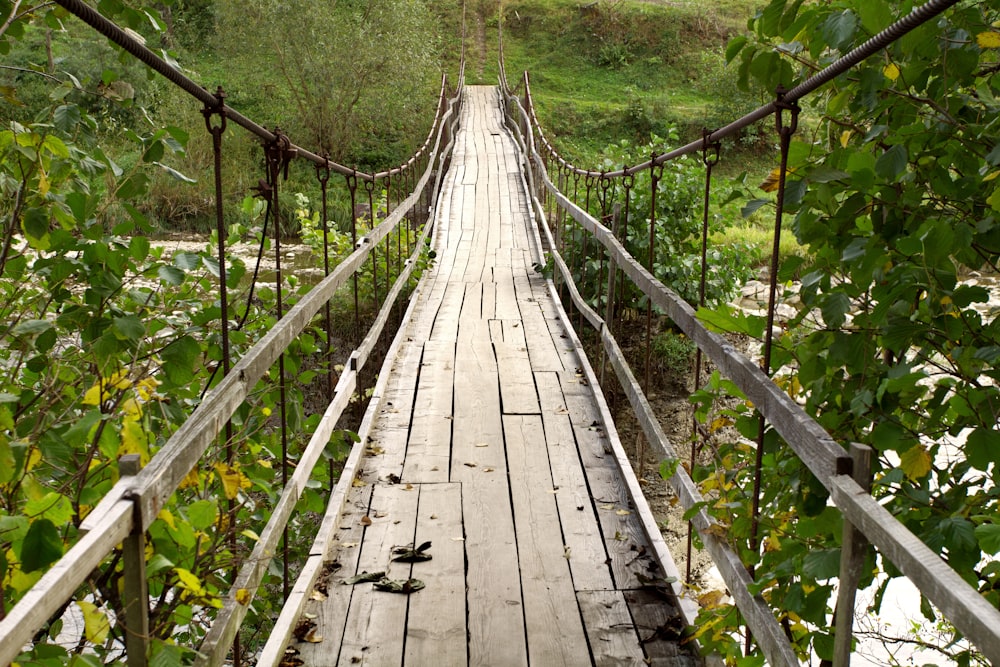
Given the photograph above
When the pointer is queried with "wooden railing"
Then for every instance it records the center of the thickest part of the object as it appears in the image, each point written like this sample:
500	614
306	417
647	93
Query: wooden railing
843	469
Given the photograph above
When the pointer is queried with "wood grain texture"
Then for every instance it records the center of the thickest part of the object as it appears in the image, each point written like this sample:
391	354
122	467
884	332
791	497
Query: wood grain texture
376	621
610	630
429	446
552	618
436	626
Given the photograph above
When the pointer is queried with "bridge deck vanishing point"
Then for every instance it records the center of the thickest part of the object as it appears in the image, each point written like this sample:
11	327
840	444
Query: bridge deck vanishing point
491	446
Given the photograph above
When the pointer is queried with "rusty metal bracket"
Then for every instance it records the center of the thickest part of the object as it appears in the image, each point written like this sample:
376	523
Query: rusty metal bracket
220	109
709	149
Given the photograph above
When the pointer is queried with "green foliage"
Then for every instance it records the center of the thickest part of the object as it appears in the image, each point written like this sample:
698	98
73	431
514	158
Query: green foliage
676	251
598	67
894	192
361	77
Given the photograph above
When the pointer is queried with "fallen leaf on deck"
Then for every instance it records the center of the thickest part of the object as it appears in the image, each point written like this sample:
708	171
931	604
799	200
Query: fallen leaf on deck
482	444
358	482
318	596
348	545
623	512
409	554
470	465
404	586
243	596
364	577
488	469
379	515
434	516
366	521
655	582
608	506
312	637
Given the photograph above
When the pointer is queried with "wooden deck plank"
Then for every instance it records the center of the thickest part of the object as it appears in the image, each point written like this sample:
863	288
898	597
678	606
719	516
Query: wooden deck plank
326	610
496	610
552	618
436	626
446	321
517	383
428	452
588	557
513	334
610	631
623	535
658	623
376	621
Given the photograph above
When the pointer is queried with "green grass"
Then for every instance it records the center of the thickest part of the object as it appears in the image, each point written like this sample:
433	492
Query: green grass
612	70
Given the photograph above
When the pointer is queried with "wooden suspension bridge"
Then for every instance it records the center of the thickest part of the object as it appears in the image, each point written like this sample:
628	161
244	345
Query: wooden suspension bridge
490	493
491	445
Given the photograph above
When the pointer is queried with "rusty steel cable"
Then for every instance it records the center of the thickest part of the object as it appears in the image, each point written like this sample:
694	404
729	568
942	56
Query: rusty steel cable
278	154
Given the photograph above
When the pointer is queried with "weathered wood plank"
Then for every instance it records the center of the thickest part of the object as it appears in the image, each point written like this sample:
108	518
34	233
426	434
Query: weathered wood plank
517	384
513	334
330	598
552	619
623	535
428	450
541	345
507	307
376	621
610	629
436	626
496	610
660	626
588	557
446	321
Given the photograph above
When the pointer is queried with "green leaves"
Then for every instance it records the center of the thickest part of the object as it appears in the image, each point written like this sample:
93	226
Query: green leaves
892	163
42	546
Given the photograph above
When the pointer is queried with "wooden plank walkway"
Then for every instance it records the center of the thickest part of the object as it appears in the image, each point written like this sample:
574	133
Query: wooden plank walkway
491	446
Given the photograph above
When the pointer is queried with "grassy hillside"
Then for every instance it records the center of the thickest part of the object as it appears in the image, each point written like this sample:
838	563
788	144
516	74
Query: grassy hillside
619	69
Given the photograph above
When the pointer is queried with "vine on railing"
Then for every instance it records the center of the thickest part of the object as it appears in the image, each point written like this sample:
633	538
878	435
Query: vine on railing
789	532
141	492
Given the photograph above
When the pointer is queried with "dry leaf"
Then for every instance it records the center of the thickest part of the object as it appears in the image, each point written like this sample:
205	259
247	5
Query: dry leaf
366	521
482	444
488	469
317	595
608	506
470	465
243	596
623	512
312	637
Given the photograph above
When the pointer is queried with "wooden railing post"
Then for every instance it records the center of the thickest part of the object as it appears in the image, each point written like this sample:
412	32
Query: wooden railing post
852	560
136	588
